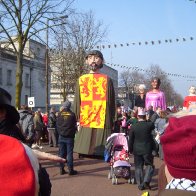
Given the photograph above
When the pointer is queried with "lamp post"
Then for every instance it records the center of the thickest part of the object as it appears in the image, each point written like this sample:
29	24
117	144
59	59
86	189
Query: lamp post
47	57
47	65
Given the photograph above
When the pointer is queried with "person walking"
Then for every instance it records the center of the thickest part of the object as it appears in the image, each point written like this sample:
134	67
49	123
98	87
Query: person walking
94	106
39	125
156	114
153	118
66	127
27	125
159	130
124	127
52	128
141	145
45	129
118	120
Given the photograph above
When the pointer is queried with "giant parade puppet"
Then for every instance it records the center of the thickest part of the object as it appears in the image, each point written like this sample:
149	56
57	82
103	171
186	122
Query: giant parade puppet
94	106
155	97
190	99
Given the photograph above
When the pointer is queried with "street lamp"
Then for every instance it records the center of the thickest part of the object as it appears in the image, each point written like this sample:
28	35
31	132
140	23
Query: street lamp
47	57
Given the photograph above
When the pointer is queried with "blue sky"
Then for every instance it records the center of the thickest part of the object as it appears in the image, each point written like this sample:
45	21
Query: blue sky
149	20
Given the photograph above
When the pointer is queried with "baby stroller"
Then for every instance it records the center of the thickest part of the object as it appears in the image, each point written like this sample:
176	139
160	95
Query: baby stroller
117	146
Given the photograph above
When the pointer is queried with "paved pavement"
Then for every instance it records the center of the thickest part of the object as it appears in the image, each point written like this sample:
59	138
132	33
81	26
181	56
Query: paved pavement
92	178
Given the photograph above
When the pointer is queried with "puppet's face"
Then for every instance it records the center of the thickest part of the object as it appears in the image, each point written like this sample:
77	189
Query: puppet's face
155	84
141	90
192	90
95	62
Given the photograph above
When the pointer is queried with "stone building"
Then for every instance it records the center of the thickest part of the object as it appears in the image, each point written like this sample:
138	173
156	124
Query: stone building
33	72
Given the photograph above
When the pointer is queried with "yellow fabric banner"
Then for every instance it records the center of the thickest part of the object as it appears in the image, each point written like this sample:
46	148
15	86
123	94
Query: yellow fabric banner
93	100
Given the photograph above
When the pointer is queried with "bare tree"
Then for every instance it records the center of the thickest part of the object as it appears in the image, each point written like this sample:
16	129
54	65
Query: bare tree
129	79
82	33
63	71
22	20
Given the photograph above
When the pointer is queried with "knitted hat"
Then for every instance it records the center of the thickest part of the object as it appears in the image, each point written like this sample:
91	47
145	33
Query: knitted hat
5	102
66	105
18	168
179	147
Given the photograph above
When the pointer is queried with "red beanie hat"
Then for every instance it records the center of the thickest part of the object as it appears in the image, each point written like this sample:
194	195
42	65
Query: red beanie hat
17	176
179	147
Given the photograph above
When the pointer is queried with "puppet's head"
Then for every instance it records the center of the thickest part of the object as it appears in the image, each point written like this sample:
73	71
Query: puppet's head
142	88
95	59
155	83
192	91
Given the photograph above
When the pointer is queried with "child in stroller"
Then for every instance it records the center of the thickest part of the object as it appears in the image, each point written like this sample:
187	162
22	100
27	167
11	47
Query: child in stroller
117	146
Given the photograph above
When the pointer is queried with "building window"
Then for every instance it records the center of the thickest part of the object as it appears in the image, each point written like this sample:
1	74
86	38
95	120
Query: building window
27	80
9	77
1	76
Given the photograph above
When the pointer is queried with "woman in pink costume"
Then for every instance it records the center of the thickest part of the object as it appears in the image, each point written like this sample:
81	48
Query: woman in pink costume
155	97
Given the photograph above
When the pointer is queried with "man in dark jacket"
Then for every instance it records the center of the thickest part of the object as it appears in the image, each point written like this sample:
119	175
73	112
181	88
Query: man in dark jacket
66	127
141	145
27	125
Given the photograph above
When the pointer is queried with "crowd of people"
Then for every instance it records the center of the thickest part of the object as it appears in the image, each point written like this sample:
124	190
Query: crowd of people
152	130
57	129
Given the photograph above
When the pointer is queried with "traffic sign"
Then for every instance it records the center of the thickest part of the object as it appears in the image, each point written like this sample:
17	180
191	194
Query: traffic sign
31	102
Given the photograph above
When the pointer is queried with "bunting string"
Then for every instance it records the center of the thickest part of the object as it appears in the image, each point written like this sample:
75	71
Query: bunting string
193	1
136	68
145	43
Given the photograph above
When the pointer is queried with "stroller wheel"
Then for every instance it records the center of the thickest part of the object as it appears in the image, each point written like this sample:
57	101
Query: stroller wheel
113	181
116	180
132	180
109	176
129	181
